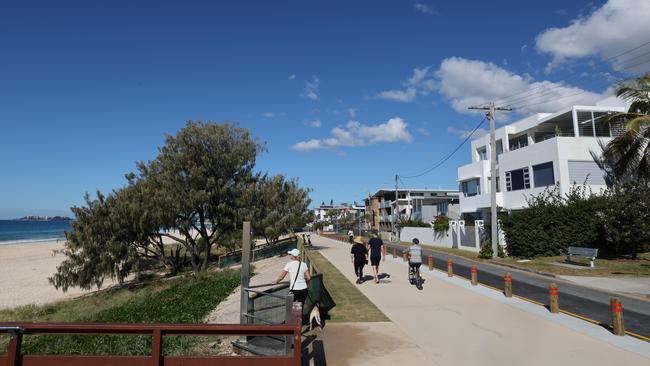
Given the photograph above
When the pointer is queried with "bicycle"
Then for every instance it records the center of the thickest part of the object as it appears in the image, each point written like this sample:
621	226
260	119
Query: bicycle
414	276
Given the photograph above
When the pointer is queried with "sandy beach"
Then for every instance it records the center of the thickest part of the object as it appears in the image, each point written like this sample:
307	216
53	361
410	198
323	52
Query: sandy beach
24	269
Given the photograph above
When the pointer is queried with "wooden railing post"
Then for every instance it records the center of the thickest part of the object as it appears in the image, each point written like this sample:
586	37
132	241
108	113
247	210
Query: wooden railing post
156	348
13	351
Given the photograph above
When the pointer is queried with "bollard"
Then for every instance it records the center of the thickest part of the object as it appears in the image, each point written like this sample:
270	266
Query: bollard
404	254
508	285
394	252
474	275
618	326
450	268
384	249
554	304
430	263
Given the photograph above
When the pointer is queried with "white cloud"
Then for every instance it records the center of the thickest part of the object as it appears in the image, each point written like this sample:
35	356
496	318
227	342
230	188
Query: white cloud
420	83
268	114
292	77
469	82
355	134
617	26
424	8
315	123
407	95
311	88
308	145
352	112
424	131
464	133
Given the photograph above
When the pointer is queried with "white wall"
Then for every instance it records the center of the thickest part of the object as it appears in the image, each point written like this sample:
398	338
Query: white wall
426	236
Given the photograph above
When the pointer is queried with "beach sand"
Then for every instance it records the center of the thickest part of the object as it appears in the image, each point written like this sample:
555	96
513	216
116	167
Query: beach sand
24	269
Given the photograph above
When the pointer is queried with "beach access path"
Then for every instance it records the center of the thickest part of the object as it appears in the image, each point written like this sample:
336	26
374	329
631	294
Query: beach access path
456	324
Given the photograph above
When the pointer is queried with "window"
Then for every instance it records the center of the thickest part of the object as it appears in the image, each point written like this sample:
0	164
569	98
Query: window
471	187
517	179
543	174
518	142
593	124
482	153
499	147
442	208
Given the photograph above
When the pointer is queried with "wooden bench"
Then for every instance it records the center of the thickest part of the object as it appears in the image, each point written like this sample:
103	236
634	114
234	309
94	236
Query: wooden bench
589	253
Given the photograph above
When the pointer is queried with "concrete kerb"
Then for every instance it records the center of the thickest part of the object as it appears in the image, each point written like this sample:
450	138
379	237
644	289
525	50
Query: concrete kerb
628	343
535	272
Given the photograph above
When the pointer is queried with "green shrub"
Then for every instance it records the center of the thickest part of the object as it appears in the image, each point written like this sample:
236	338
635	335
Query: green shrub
486	251
616	221
411	223
186	299
441	224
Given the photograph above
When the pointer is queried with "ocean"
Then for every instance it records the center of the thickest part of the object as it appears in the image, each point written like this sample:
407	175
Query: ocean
18	231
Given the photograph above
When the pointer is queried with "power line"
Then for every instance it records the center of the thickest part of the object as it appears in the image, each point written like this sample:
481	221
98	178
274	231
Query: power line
503	100
573	94
446	157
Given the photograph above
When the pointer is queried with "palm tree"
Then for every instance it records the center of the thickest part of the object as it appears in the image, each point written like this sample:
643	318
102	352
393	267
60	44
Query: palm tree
627	157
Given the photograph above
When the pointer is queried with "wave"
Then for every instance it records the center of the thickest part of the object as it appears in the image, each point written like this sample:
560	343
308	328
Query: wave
27	241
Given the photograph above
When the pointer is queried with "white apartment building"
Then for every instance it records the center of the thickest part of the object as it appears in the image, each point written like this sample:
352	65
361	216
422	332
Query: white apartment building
416	204
540	151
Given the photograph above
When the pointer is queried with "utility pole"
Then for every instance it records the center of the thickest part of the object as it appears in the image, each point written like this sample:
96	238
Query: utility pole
395	212
491	108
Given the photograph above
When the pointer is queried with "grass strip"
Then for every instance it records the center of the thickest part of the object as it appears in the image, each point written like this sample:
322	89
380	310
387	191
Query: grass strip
351	304
185	299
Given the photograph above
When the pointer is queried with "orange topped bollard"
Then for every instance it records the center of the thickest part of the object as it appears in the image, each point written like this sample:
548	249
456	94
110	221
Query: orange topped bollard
508	285
384	249
430	263
474	272
618	326
394	252
405	255
450	268
554	303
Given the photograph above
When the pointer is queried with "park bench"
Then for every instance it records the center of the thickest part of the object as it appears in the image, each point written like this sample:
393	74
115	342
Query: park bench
589	253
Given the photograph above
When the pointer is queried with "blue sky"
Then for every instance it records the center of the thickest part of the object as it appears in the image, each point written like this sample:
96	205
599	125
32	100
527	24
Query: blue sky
346	94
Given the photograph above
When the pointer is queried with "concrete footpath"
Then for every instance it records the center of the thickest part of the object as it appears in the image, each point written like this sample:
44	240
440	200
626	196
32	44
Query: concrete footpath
452	323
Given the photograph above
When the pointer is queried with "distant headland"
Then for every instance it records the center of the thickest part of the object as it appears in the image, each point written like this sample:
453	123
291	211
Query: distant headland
44	218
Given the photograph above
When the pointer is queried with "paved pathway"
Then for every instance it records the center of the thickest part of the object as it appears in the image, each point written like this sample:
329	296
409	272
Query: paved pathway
453	324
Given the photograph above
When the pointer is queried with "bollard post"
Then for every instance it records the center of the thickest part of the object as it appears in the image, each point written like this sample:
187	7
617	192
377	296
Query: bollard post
618	326
394	252
430	263
384	249
474	275
508	285
450	268
404	253
554	304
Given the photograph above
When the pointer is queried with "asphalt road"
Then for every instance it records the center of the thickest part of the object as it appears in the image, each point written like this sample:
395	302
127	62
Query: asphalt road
577	299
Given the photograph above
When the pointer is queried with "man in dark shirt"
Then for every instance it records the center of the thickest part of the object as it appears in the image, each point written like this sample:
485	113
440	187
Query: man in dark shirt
375	246
359	257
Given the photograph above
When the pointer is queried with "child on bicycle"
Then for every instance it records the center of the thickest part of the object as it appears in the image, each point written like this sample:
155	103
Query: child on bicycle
415	255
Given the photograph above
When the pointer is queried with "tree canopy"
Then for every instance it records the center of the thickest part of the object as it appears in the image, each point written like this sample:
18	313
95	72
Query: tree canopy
179	207
627	157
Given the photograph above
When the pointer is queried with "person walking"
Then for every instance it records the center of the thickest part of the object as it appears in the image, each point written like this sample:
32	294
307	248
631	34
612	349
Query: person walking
375	246
298	277
351	236
359	257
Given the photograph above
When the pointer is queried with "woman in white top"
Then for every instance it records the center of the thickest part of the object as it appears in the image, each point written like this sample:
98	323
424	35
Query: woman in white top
298	276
